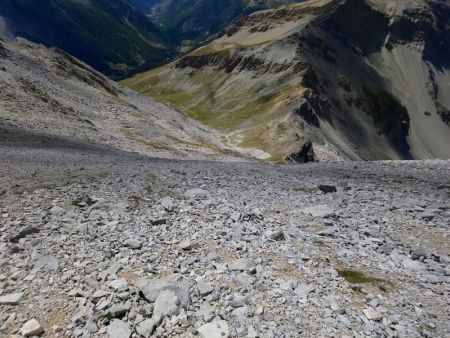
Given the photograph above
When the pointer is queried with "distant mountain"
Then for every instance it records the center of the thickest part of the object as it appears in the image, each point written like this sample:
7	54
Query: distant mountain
110	35
193	21
355	79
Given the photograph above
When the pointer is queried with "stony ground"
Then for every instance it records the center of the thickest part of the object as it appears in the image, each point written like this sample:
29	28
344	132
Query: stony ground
97	243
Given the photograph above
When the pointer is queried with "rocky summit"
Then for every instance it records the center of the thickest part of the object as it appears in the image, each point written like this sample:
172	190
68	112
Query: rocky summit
96	242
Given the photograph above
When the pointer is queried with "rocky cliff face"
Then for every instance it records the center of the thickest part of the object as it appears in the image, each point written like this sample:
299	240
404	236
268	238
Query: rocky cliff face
361	79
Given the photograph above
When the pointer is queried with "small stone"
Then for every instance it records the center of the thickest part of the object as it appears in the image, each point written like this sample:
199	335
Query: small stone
46	263
133	243
206	312
118	284
235	216
327	189
251	332
413	266
159	221
430	278
275	235
204	289
168	204
303	290
11	299
186	245
166	304
242	264
239	301
329	232
119	310
100	294
31	328
372	314
320	211
118	329
217	329
418	252
196	193
146	327
151	289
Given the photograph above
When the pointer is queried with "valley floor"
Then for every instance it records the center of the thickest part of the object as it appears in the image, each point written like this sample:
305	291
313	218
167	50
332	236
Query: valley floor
97	242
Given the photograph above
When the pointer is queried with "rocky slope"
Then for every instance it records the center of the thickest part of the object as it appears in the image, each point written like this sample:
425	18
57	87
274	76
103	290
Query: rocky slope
48	97
360	79
110	35
100	243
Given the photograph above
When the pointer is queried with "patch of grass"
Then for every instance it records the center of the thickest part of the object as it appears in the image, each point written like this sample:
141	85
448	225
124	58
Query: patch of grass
359	277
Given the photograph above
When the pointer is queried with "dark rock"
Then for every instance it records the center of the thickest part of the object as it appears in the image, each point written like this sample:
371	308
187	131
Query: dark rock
445	115
160	221
119	310
327	189
84	201
305	155
25	232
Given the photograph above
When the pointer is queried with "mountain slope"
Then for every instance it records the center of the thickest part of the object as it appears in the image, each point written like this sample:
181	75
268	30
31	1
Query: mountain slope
144	6
368	86
110	35
49	93
189	22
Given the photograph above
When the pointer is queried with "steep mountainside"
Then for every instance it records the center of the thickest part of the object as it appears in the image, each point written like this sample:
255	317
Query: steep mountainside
361	79
50	98
145	6
110	35
189	22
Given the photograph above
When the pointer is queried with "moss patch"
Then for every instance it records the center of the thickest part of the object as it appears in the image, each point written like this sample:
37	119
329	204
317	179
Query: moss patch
358	277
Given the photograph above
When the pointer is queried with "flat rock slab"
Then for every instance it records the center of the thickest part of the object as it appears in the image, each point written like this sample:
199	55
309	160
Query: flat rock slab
323	210
166	304
146	328
196	193
31	328
118	284
218	329
46	263
242	264
151	288
118	329
372	314
11	299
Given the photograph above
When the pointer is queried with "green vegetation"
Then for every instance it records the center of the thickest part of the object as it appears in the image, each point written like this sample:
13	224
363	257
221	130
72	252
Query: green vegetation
355	277
251	112
359	277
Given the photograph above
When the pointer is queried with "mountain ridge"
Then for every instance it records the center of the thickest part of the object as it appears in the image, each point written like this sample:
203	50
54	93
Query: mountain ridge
275	79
